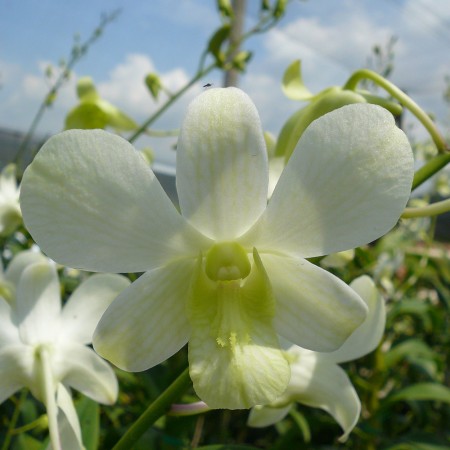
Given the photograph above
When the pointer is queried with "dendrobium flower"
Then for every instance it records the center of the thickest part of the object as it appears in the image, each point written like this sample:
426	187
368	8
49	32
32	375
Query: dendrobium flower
43	346
316	378
10	214
229	273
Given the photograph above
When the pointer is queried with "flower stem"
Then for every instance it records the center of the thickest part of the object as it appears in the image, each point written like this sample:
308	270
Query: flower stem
48	391
171	100
430	168
159	407
430	210
404	99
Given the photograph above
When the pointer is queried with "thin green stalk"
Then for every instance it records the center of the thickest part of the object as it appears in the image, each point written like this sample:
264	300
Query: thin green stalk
14	419
404	99
48	390
158	408
76	54
430	168
169	102
430	210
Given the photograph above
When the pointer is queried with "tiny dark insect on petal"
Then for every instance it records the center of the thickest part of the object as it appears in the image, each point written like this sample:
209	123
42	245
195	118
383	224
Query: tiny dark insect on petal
207	85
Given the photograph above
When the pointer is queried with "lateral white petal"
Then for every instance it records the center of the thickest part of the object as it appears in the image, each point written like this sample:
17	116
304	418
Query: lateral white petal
85	307
147	323
345	185
38	303
81	368
314	309
16	368
68	422
9	333
91	202
368	335
263	416
222	168
321	384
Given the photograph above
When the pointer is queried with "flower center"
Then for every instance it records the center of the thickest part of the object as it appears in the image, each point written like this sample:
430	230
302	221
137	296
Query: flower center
227	261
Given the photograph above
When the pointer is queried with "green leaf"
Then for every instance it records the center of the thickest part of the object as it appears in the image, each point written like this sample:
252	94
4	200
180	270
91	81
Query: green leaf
417	446
227	447
216	42
88	413
27	442
292	84
153	83
409	349
422	391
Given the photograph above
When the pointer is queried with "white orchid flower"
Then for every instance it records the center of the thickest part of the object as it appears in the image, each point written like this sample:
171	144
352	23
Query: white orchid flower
43	346
10	214
229	273
316	378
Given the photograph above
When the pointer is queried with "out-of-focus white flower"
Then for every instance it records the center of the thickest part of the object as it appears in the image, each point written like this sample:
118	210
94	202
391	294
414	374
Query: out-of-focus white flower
10	214
43	346
316	378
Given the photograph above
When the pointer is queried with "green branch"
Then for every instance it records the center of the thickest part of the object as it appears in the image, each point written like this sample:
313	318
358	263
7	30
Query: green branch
425	211
157	409
404	99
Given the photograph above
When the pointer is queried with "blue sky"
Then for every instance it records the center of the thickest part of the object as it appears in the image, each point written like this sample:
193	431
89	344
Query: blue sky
332	37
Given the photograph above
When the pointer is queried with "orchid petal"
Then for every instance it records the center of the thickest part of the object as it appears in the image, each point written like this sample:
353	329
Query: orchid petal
38	303
16	368
8	330
147	323
20	262
87	304
234	357
314	309
8	183
91	202
68	422
81	368
263	416
345	185
368	335
321	384
222	172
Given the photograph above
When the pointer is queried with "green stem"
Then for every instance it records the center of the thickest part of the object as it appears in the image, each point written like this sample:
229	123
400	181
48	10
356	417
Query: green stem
48	390
404	99
46	102
14	419
171	100
430	168
159	407
430	210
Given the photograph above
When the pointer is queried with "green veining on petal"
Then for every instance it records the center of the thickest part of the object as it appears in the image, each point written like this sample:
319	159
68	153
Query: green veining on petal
234	354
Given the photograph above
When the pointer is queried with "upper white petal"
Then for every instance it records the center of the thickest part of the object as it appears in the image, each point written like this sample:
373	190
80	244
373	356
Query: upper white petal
345	185
314	309
222	169
87	304
38	303
91	202
147	323
20	262
368	335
